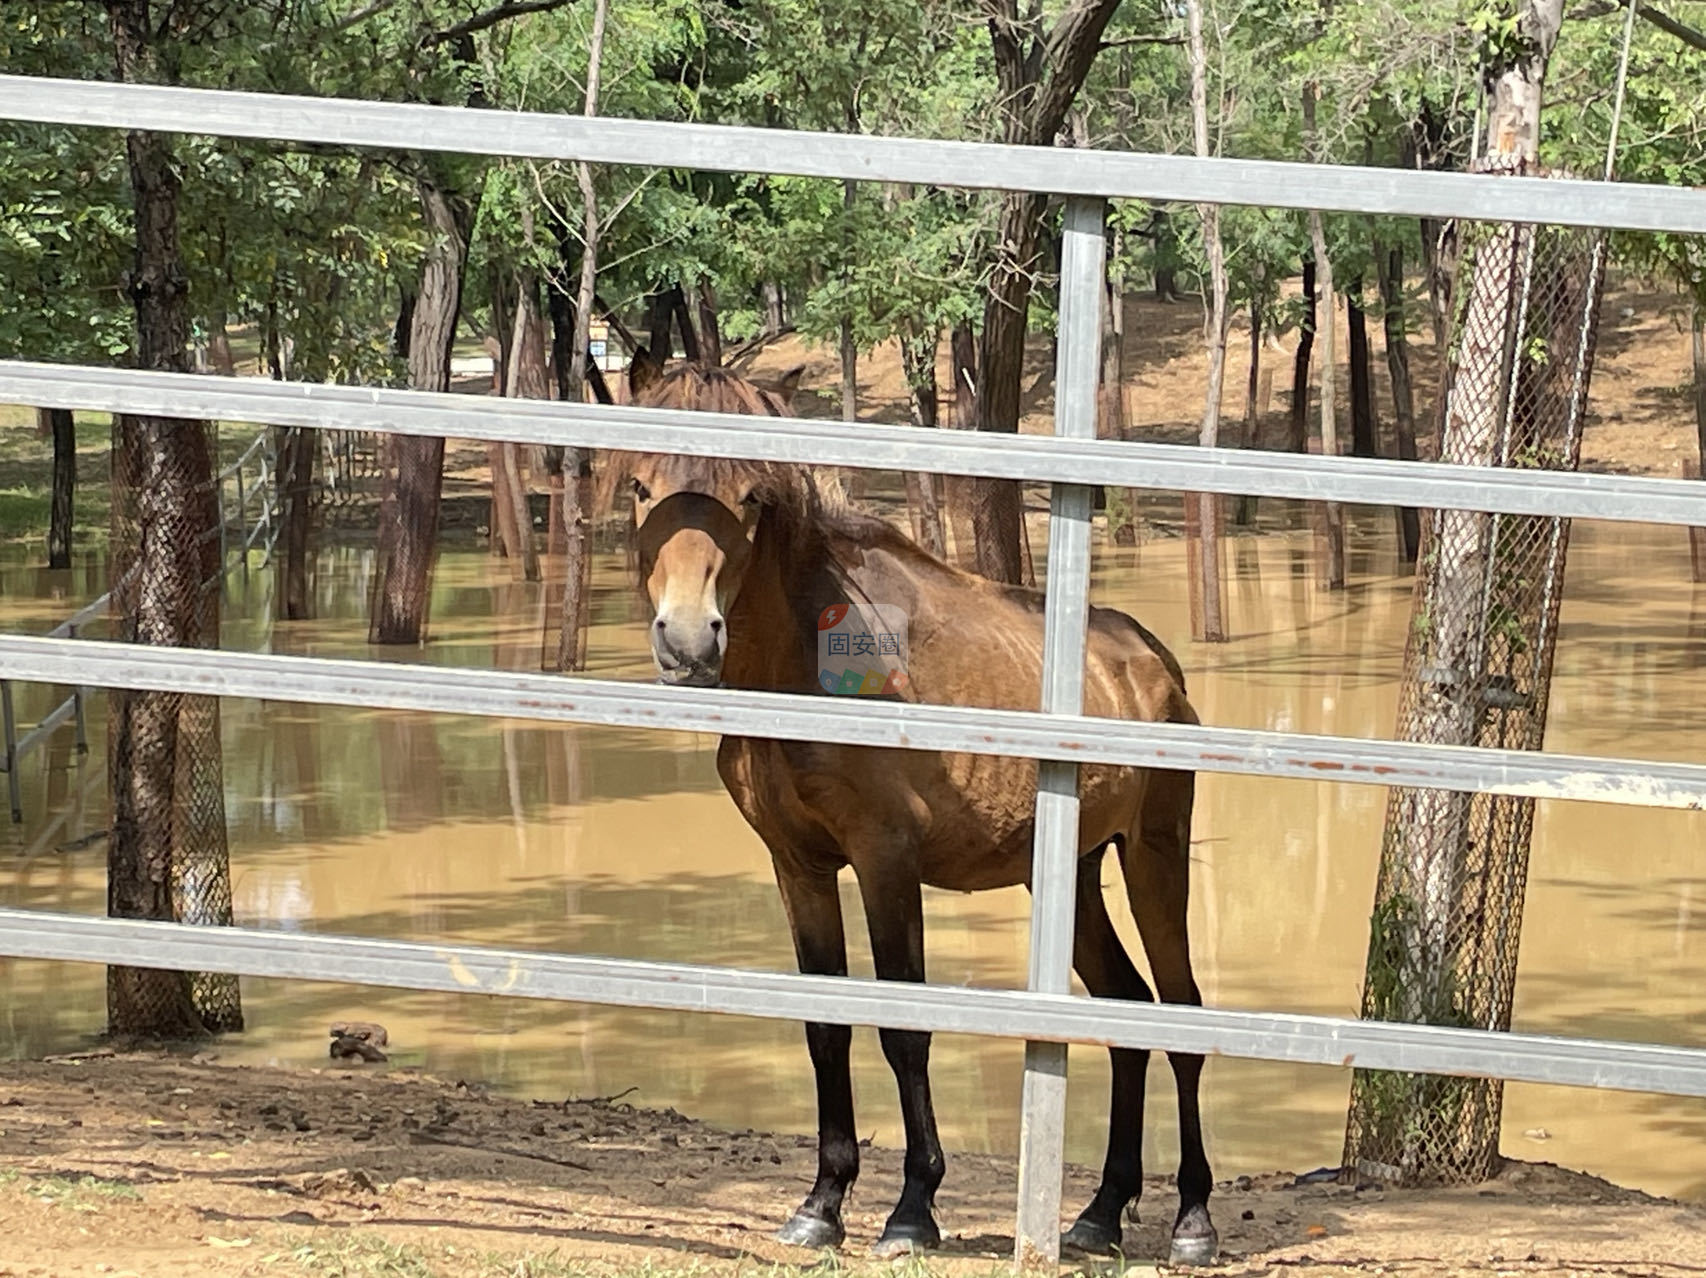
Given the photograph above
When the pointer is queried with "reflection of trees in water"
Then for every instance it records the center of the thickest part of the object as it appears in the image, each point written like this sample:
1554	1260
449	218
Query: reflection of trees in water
303	744
411	769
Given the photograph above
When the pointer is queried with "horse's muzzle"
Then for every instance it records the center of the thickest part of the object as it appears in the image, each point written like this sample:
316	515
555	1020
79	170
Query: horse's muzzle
688	676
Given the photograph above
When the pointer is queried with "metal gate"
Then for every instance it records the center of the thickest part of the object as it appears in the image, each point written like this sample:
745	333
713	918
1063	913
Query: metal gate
1046	1015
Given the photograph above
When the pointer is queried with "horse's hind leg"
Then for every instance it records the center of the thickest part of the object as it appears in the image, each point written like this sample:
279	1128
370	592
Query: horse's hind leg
894	908
1158	879
1107	972
813	905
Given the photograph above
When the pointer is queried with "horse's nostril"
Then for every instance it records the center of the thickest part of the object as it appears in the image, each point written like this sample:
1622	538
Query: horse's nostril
660	627
716	625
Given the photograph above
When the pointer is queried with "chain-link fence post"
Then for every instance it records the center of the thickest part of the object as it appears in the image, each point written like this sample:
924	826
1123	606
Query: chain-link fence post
1448	906
167	854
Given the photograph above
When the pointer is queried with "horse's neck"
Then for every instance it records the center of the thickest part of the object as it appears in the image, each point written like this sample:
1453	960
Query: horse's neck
767	648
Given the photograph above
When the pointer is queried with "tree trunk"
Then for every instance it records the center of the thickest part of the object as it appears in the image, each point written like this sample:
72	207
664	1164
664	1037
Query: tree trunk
293	598
918	359
1697	347
501	288
660	314
961	489
997	511
60	423
1252	384
1038	76
1209	617
526	381
1330	516
1166	258
560	308
690	349
849	373
1120	503
773	319
1449	895
1364	442
405	323
1513	105
1422	146
1244	507
167	856
1391	266
219	346
1298	436
503	535
576	580
414	466
710	332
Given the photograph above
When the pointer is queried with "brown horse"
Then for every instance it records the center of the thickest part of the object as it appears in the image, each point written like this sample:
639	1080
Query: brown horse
741	560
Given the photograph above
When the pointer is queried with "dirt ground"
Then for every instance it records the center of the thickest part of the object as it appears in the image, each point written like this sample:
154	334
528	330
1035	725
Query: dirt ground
1640	415
150	1164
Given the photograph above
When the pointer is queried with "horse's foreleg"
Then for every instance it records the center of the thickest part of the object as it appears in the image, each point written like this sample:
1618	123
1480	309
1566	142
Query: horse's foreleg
1107	972
895	911
813	905
1158	884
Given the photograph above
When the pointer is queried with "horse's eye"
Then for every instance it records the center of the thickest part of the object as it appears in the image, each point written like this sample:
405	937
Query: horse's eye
751	499
641	491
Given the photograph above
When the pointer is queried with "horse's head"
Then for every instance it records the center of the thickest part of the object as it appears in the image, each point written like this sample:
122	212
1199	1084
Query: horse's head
695	518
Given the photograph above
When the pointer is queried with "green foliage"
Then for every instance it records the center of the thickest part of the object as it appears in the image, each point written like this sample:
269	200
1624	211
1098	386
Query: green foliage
1503	43
64	209
311	249
63	233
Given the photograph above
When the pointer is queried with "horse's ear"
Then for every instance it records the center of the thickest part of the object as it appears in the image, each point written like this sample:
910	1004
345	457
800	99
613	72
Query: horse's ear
643	372
788	385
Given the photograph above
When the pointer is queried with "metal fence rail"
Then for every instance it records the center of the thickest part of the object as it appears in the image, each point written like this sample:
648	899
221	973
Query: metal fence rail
682	987
1059	739
264	489
928	162
17	748
1062	738
1121	463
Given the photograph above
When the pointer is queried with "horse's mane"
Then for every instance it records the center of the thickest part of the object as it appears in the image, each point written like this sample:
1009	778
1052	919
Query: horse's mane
801	493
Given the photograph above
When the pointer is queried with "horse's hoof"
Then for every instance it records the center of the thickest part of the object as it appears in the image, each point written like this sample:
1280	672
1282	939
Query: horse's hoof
1092	1237
1194	1239
803	1230
907	1239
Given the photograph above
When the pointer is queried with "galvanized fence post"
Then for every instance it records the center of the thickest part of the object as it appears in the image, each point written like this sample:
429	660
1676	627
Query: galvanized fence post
1042	1139
264	487
224	520
77	706
9	724
242	522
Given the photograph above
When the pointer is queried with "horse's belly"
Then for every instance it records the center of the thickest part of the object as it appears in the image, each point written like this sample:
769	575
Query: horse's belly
981	835
968	818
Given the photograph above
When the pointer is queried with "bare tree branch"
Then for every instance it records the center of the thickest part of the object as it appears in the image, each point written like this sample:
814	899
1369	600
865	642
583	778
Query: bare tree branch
362	14
1663	21
1071	47
490	18
1126	41
1688	35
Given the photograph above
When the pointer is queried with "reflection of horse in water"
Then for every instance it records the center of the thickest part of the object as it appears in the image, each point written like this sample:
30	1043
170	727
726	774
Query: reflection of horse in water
739	560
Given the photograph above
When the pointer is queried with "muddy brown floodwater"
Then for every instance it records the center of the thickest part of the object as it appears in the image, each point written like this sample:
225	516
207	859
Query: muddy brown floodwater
623	843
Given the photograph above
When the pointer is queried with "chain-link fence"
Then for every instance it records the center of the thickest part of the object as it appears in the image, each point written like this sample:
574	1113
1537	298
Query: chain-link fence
349	470
167	854
1448	907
